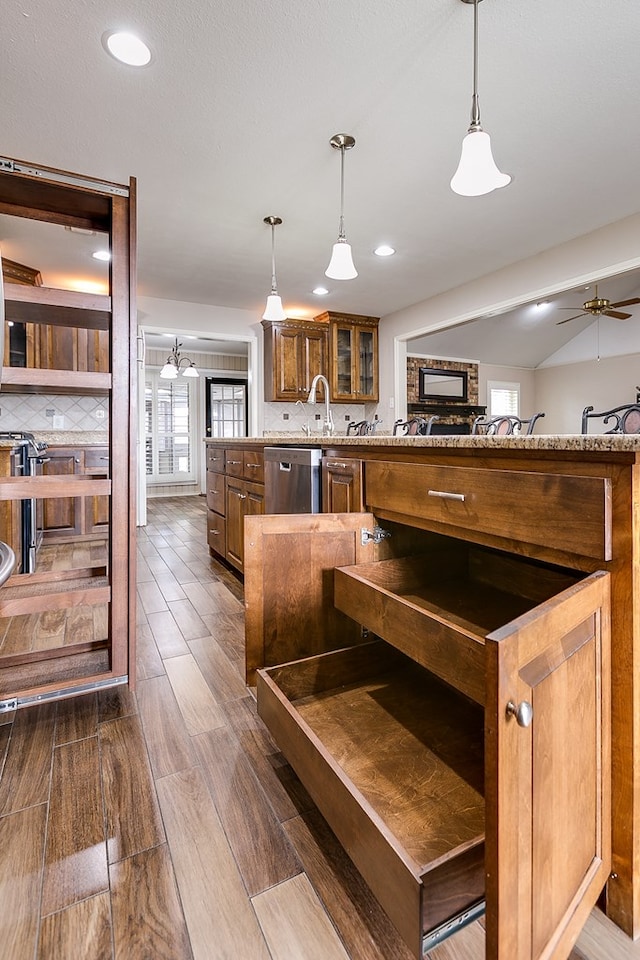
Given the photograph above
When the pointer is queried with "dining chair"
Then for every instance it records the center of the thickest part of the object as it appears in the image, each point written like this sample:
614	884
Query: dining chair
626	418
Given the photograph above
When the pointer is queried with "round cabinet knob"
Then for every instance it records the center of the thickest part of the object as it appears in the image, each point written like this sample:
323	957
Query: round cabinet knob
523	712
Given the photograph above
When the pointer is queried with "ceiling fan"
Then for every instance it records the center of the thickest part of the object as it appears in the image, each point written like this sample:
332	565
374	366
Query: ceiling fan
599	307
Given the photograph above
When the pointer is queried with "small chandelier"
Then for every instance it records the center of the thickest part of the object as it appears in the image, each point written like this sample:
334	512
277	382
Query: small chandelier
477	172
341	264
273	309
174	361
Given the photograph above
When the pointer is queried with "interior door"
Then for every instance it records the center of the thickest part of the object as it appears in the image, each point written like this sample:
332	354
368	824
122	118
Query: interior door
547	747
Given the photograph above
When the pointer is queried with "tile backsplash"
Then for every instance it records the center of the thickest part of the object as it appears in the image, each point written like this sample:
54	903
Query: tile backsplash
293	417
46	412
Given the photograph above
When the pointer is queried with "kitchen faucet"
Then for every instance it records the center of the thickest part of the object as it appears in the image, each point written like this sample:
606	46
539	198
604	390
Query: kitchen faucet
327	427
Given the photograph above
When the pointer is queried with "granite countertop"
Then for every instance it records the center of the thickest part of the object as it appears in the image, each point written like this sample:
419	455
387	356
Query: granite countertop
67	438
603	443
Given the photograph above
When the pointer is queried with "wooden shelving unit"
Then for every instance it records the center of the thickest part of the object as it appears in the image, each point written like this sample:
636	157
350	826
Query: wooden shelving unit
77	344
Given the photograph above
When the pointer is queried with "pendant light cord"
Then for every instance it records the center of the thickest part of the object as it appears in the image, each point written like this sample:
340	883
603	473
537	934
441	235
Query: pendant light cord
475	105
341	235
274	287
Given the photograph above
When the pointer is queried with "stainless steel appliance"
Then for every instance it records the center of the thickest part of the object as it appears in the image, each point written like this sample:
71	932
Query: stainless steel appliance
292	481
27	460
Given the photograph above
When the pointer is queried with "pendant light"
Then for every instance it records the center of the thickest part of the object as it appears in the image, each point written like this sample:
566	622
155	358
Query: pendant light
477	172
341	264
174	362
273	309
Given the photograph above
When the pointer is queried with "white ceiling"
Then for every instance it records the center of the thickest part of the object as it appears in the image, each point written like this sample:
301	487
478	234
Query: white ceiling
231	122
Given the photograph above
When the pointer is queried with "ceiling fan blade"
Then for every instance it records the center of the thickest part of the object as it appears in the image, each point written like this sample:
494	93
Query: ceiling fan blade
571	318
617	315
626	303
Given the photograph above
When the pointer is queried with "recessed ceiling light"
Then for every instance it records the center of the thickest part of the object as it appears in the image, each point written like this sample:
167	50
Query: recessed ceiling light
542	305
127	48
320	291
384	250
101	255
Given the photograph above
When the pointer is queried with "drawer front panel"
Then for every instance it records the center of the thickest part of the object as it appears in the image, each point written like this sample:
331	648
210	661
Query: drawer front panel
558	511
96	458
253	461
234	463
215	493
215	459
216	532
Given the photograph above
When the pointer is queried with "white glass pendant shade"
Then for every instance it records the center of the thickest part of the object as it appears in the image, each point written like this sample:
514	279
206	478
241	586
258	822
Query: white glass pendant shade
190	371
477	172
341	264
273	309
169	372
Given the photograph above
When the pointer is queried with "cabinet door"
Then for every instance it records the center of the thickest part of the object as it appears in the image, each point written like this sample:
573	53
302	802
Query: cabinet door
367	364
96	509
313	360
548	845
62	516
341	485
289	345
243	499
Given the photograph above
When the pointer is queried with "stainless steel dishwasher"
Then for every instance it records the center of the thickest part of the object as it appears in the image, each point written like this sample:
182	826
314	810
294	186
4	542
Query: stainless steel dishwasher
292	481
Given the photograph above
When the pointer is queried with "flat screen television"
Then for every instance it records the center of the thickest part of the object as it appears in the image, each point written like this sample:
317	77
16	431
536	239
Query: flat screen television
443	385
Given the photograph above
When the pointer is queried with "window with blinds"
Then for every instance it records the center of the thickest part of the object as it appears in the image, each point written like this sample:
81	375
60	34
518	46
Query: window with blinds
168	429
503	399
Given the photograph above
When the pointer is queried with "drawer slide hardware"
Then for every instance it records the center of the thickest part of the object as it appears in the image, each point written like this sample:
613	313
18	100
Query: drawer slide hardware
523	712
446	495
449	927
377	535
15	702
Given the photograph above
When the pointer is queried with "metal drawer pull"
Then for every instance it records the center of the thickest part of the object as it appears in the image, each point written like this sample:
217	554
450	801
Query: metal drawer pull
523	712
215	532
234	462
256	465
242	496
333	464
445	495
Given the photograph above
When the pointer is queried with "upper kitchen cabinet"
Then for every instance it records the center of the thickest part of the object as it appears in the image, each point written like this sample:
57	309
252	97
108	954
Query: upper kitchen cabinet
294	352
67	618
354	357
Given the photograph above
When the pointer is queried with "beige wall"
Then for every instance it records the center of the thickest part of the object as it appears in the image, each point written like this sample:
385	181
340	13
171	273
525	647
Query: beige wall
563	392
526	379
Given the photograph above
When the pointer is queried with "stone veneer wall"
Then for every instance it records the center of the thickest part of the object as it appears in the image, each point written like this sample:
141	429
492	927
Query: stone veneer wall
414	364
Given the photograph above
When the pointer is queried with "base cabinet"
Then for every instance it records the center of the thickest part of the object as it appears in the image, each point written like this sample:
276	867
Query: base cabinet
461	755
235	489
342	485
70	517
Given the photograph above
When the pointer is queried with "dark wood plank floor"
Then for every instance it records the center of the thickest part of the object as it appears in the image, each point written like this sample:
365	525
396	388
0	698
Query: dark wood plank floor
165	824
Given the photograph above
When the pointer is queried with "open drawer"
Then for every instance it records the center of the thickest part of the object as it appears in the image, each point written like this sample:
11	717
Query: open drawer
345	720
394	760
439	606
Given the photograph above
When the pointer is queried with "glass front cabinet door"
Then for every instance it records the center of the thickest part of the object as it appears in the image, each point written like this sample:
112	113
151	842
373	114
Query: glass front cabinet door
354	358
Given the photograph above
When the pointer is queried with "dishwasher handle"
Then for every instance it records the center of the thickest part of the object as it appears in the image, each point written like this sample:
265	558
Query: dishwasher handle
285	466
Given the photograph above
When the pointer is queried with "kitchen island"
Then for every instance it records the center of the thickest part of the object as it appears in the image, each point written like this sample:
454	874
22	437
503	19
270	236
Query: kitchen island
529	509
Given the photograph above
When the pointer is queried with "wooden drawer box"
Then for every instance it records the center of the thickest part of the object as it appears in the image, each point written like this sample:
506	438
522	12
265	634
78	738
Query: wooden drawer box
216	532
439	607
393	758
96	458
562	512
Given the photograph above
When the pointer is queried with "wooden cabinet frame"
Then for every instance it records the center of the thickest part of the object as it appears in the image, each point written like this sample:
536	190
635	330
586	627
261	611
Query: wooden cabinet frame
64	198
